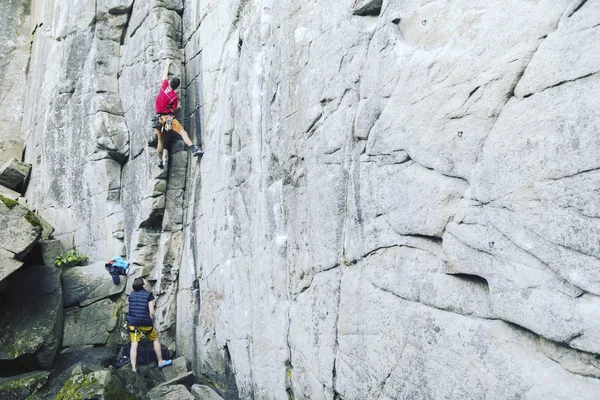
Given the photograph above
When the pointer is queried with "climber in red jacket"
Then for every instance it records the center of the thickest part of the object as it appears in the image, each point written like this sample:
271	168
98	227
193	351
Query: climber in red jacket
167	103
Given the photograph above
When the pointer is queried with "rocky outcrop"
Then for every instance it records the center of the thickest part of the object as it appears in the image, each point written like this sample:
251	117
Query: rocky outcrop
21	229
31	320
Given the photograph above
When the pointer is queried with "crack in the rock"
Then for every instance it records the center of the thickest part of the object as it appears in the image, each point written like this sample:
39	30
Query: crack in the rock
429	305
560	83
581	4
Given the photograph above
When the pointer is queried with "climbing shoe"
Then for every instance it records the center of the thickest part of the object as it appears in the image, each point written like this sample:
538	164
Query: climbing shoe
165	363
196	150
160	164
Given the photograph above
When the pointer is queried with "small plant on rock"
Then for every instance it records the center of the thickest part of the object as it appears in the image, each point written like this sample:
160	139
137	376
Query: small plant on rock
71	259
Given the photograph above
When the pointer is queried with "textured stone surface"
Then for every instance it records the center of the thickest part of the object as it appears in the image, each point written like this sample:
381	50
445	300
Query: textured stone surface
14	173
76	134
93	382
86	285
90	325
398	199
20	231
50	250
405	191
170	392
203	392
31	319
22	386
15	38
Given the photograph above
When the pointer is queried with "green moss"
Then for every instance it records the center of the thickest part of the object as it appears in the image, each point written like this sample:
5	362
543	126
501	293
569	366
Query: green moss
79	388
22	387
9	203
33	219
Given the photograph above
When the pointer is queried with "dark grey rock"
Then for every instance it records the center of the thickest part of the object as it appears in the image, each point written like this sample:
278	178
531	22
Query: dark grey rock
203	392
22	386
88	284
90	325
178	392
31	319
14	173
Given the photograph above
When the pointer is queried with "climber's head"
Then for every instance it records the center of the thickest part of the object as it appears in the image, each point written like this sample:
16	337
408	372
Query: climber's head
174	84
138	284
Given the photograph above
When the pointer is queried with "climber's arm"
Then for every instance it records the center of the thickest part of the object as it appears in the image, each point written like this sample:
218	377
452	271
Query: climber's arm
166	70
151	308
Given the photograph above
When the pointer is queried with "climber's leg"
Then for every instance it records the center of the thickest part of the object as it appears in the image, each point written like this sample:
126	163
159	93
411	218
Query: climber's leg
160	147
134	337
177	128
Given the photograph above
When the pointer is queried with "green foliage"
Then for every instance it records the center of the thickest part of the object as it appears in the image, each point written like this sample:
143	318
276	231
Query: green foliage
71	259
9	203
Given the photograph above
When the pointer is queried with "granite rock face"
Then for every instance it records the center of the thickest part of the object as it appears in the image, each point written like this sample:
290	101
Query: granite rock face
15	47
398	199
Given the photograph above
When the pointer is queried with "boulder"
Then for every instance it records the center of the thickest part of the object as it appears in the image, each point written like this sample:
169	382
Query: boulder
22	386
91	324
20	230
14	173
179	367
203	392
31	320
88	284
87	382
170	392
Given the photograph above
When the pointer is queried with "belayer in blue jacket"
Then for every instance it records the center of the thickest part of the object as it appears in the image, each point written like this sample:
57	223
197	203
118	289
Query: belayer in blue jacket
140	319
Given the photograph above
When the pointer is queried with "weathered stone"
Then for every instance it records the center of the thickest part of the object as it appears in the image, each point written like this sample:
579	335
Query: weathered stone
170	392
14	173
50	250
15	39
22	386
32	319
21	229
86	285
203	392
87	382
91	324
9	193
179	367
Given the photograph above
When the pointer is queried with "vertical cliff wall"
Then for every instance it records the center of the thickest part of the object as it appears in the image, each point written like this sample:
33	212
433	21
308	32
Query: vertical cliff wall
398	199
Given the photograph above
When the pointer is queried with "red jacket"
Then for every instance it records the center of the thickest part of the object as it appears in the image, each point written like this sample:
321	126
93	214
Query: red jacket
167	100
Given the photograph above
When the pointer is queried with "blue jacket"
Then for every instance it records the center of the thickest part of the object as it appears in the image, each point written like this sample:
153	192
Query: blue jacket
139	313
